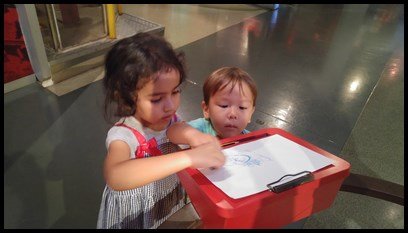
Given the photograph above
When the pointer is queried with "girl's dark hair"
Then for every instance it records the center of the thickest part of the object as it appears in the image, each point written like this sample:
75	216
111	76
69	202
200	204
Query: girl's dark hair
131	63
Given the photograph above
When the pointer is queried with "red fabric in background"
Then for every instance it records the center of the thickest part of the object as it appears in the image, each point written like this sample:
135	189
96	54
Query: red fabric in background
16	61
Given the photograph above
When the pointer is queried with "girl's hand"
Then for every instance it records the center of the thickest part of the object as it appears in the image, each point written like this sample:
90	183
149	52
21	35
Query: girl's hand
207	155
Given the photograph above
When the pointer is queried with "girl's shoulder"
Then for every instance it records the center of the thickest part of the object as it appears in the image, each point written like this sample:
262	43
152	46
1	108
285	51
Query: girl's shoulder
127	125
124	130
129	121
119	132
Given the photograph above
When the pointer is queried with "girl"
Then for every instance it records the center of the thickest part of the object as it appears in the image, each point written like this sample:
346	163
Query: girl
143	75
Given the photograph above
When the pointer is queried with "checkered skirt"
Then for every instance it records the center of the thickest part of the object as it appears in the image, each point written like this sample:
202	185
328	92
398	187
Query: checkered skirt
144	207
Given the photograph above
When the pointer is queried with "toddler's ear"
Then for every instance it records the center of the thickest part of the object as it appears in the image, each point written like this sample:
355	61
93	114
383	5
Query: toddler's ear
253	110
204	107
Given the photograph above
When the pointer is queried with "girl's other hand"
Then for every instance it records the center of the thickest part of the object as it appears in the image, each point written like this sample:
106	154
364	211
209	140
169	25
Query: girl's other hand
207	155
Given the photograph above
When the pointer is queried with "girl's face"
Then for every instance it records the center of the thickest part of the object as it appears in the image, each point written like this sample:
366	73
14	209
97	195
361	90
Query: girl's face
158	100
230	112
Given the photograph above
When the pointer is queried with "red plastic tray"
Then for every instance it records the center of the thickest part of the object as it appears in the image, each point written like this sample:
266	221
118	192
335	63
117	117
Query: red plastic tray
265	209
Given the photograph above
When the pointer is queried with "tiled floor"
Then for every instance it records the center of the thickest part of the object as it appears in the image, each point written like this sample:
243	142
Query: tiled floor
330	74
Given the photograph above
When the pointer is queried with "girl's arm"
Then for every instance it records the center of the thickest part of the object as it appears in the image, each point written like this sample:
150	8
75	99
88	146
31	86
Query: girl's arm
122	173
183	133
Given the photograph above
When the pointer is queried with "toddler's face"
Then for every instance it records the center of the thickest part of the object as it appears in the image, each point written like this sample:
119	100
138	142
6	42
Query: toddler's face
230	111
159	100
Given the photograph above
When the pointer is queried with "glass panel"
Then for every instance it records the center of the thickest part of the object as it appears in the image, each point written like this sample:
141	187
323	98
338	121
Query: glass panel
46	32
79	23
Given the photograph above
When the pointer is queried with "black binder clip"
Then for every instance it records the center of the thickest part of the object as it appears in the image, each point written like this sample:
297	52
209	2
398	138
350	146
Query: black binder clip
307	177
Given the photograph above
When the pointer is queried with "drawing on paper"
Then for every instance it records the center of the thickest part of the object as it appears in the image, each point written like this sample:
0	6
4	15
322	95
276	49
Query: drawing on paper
241	160
237	160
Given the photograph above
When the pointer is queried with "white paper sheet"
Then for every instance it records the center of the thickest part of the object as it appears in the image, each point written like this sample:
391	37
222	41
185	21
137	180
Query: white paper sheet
251	166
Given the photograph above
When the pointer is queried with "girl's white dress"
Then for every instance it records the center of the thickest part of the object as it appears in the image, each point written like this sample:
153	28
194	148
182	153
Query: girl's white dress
147	206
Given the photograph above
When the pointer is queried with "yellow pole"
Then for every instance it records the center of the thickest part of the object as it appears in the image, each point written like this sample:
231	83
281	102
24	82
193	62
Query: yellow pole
111	20
120	10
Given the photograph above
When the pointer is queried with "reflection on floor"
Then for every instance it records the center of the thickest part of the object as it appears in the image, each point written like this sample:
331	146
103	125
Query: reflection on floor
179	21
330	74
192	22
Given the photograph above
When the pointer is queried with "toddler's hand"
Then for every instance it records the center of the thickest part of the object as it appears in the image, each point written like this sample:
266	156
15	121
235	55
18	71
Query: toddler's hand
207	155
